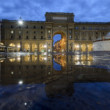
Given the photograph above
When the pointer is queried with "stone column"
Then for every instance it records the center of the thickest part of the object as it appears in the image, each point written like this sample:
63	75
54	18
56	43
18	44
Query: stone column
30	47
86	47
38	47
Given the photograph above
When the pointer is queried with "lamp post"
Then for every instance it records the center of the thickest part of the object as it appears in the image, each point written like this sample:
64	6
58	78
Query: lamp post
20	23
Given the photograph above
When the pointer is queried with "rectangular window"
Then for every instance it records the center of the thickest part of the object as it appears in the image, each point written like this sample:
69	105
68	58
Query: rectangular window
27	37
19	37
41	37
11	37
34	37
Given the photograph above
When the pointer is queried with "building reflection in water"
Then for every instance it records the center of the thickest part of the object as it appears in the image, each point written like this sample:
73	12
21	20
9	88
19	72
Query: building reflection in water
36	69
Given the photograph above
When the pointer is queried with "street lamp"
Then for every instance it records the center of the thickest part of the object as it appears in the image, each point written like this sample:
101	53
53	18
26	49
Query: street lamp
20	23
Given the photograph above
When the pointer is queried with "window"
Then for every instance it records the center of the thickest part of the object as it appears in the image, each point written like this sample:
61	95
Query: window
49	37
19	27
26	31
34	27
41	32
34	37
34	32
41	27
70	31
83	38
76	28
49	31
96	37
19	37
27	67
27	26
27	37
70	37
11	26
19	32
41	37
76	38
83	28
89	38
90	28
48	44
11	37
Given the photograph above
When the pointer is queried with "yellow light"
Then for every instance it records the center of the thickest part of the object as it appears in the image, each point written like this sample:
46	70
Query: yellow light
12	59
18	59
1	61
45	46
18	46
45	53
45	58
77	46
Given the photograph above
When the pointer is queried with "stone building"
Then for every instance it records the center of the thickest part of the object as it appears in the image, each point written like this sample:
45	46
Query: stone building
37	36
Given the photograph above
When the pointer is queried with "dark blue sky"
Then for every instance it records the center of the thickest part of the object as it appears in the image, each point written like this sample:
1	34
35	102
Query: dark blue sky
84	10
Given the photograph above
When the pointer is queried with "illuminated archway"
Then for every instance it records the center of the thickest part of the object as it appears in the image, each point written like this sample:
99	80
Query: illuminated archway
34	47
27	47
11	47
61	45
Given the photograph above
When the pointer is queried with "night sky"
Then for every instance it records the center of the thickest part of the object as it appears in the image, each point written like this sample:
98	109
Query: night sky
84	10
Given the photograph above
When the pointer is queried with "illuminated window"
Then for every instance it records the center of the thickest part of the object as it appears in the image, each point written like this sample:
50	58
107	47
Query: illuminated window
49	31
70	31
70	36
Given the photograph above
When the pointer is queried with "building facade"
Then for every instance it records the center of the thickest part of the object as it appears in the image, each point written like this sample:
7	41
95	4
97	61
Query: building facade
37	36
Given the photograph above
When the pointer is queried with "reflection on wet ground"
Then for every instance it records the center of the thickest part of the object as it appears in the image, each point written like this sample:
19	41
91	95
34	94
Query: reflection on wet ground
50	82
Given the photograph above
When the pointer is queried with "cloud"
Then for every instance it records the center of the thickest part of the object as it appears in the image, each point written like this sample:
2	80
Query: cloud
84	10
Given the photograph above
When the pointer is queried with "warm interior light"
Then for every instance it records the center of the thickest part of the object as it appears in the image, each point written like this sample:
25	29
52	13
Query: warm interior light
77	46
18	46
45	46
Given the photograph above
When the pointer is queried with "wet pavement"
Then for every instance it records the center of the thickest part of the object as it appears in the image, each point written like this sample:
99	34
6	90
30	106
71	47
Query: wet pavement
55	82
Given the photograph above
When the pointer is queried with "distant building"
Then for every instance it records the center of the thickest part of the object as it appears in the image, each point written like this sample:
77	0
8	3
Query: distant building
102	43
37	36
